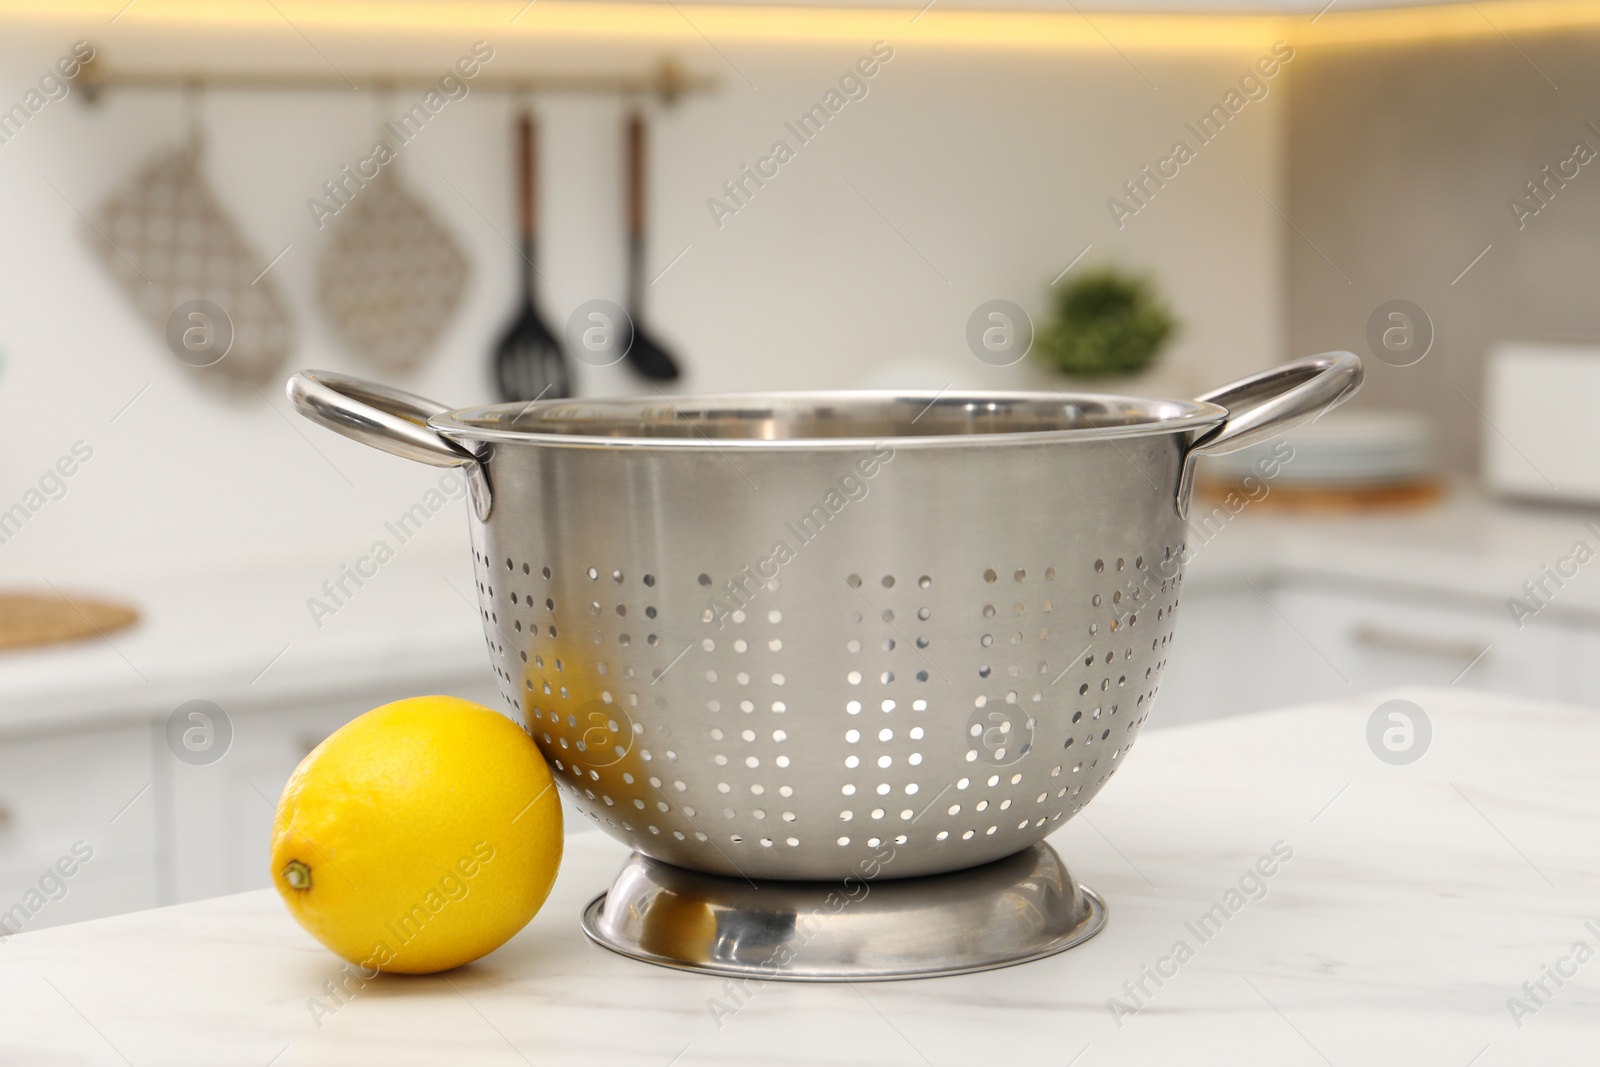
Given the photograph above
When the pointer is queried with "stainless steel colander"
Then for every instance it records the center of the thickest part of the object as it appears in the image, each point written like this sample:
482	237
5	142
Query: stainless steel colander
769	635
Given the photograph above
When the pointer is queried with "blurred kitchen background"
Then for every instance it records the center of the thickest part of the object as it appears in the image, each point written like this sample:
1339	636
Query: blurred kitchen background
1429	162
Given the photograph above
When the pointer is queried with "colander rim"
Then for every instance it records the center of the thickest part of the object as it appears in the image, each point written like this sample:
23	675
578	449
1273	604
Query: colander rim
467	424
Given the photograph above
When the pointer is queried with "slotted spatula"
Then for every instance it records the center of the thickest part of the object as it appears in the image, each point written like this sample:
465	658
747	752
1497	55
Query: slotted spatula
528	364
645	355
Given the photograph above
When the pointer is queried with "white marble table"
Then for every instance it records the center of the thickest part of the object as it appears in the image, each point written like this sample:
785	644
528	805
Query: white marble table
1418	900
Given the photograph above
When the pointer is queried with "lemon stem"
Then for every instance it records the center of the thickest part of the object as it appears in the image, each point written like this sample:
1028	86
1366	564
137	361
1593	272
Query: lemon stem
297	874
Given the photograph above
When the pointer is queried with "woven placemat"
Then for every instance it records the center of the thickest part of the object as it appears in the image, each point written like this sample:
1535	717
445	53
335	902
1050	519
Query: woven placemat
31	619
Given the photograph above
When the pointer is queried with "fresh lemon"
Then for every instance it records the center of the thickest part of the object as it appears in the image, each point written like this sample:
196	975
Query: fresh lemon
419	836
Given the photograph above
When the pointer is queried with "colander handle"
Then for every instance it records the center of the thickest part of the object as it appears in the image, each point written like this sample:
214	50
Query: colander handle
1269	404
388	419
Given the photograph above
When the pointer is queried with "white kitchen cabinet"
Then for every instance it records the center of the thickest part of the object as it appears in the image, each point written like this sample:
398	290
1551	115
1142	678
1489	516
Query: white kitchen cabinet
164	831
219	815
1245	649
1353	641
156	830
1220	663
1584	643
80	801
103	886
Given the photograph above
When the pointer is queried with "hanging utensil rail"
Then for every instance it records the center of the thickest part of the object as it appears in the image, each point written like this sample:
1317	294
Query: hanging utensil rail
667	81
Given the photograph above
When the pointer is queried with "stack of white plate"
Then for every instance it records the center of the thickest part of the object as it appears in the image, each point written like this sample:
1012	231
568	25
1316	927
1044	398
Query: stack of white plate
1344	450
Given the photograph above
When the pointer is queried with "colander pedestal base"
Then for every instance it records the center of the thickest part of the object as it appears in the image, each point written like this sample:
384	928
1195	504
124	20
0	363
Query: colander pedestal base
861	928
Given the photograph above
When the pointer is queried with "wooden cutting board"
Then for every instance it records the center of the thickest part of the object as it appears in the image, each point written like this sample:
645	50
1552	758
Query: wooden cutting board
31	619
1328	499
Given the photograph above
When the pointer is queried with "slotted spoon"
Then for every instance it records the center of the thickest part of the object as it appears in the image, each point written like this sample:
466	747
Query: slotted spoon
645	355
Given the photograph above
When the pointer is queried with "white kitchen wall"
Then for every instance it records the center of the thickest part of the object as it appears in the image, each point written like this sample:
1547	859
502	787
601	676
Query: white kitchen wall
965	175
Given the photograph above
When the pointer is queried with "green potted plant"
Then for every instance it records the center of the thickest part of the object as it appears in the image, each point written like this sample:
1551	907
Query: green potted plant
1107	324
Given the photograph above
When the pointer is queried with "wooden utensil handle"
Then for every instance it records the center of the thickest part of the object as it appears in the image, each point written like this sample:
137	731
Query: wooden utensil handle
527	176
635	174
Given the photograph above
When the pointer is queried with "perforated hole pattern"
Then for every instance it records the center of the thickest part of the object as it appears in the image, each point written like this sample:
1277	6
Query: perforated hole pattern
958	716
